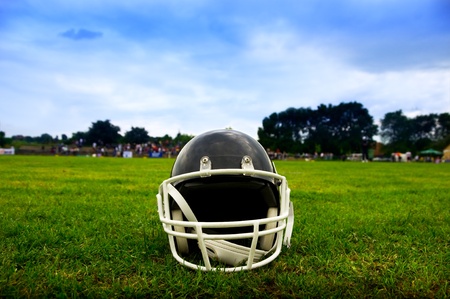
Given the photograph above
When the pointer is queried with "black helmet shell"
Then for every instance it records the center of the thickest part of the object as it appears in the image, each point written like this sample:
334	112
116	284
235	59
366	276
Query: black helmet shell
225	149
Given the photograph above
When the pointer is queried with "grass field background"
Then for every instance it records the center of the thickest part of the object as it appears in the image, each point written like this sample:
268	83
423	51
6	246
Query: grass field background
88	227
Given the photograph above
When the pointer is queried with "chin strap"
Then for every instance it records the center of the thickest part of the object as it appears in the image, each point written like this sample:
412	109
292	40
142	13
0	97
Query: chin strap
230	253
225	251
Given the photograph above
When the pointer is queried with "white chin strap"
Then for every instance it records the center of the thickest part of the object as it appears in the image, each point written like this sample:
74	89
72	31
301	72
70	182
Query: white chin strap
220	250
230	253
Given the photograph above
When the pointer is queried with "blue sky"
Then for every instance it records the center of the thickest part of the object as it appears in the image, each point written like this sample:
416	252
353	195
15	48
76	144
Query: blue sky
192	66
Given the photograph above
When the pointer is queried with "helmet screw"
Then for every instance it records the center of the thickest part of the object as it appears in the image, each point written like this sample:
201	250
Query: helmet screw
205	164
246	163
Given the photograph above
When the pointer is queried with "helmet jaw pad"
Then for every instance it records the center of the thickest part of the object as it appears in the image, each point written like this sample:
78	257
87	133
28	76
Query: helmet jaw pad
182	243
266	242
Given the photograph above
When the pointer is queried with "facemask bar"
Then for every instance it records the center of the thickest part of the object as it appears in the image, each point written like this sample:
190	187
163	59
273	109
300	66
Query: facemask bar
218	242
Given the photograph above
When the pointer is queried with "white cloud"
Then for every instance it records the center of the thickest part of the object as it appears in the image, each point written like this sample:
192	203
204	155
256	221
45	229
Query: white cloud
227	68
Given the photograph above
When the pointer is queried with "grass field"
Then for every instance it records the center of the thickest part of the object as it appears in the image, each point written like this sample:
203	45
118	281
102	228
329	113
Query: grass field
88	227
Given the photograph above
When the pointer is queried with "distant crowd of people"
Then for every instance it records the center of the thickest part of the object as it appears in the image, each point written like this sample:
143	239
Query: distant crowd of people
99	149
278	155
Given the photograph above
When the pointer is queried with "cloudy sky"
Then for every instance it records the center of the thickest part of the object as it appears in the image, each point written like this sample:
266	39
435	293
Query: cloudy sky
191	66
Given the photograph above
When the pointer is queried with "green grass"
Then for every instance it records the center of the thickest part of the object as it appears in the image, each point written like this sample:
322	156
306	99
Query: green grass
88	227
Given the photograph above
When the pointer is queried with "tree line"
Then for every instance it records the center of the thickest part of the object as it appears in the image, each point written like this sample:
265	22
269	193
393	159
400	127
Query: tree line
340	129
327	129
102	133
337	129
400	133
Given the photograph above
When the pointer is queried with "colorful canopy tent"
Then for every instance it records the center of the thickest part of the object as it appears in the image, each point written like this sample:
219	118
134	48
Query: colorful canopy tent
431	152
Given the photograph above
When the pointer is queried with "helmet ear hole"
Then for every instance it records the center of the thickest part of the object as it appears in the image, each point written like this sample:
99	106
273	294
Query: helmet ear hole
266	242
182	243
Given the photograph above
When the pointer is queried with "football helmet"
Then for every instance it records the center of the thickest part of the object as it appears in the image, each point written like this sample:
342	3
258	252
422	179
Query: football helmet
224	206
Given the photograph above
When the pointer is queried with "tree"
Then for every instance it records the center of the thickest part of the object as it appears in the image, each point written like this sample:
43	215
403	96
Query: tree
46	138
103	132
320	137
443	131
443	126
182	139
268	134
351	122
136	136
423	128
401	133
340	129
2	139
396	131
286	130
